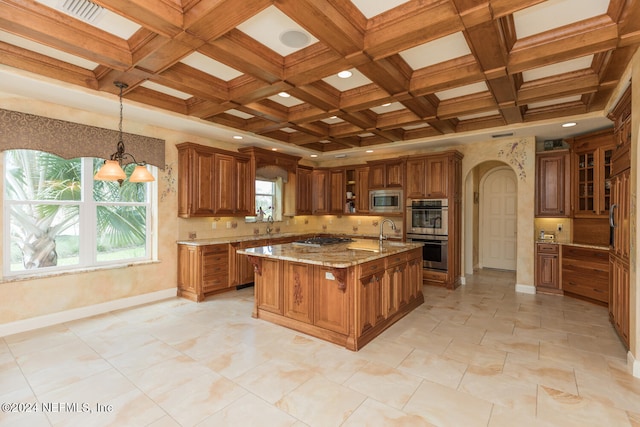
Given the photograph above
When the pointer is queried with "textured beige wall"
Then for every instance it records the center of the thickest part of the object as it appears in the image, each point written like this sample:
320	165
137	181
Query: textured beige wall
519	154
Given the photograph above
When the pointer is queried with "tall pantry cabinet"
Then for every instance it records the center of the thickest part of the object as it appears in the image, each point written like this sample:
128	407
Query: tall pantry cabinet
619	218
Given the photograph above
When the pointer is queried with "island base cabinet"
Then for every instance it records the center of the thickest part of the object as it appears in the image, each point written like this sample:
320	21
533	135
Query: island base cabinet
346	306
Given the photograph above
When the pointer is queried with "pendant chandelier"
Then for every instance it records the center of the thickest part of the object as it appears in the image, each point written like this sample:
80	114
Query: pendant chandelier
112	170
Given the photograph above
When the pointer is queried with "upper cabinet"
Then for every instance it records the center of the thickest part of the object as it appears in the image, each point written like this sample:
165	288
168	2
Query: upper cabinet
304	186
213	182
591	168
320	191
553	184
386	174
427	177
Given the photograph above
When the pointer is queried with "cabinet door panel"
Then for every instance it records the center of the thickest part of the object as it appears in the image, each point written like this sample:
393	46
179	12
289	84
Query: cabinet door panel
204	186
552	180
298	297
331	304
416	170
320	191
225	183
269	286
437	177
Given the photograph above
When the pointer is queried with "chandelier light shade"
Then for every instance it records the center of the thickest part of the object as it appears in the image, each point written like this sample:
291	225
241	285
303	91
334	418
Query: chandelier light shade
112	170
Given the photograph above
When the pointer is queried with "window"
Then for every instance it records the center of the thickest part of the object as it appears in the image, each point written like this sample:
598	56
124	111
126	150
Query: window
58	218
268	199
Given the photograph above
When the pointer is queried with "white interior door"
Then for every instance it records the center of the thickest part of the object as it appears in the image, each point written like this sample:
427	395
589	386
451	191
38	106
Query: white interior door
498	219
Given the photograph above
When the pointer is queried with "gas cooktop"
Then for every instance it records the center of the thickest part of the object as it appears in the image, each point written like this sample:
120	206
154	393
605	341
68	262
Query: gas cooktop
322	241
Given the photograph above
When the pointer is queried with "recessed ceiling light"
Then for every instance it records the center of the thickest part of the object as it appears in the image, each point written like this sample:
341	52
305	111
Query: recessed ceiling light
237	137
284	94
313	155
369	151
294	38
386	105
345	74
333	117
274	149
569	124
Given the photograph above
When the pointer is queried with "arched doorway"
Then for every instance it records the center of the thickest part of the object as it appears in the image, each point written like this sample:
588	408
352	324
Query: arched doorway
498	219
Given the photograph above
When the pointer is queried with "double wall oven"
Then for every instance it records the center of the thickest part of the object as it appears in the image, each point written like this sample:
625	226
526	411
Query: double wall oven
427	223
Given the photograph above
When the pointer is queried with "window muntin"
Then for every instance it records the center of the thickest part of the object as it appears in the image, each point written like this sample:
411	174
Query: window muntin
59	218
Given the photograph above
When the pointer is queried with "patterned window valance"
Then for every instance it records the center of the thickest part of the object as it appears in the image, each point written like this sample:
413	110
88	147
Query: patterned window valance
70	140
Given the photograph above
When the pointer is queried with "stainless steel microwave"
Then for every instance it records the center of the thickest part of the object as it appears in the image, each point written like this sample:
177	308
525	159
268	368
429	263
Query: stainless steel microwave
385	201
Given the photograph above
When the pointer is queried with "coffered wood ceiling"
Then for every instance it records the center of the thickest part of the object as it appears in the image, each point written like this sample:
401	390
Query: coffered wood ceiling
420	68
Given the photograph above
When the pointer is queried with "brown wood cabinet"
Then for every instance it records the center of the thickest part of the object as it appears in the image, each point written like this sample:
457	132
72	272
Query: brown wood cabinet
362	190
347	306
428	177
304	188
320	191
619	303
553	184
591	169
547	268
337	191
202	270
386	174
213	182
585	273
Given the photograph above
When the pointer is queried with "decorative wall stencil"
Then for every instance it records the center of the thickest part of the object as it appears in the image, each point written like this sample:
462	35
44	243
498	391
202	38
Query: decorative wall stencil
169	179
516	154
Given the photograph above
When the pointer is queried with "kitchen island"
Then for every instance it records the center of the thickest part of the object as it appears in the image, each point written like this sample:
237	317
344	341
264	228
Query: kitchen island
346	293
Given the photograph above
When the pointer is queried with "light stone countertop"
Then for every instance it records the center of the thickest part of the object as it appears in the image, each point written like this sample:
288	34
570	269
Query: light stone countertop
580	245
248	238
341	255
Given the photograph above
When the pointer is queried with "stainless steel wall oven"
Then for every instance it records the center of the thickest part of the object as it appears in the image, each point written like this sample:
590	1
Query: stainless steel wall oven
427	223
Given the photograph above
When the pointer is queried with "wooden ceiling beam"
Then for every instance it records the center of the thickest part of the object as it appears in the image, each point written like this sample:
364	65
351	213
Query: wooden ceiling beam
338	24
49	27
241	52
447	75
160	16
392	74
466	105
569	84
591	36
33	62
210	19
404	27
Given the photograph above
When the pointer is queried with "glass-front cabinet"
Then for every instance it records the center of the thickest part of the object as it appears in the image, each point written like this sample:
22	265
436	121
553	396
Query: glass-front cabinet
592	173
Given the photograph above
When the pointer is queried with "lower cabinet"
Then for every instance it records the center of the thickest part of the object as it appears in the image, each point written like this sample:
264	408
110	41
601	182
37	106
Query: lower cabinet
202	270
585	273
619	296
371	294
547	271
269	296
297	292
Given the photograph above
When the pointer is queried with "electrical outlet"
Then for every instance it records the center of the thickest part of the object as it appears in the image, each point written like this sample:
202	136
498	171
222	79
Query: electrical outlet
213	225
192	235
228	224
559	227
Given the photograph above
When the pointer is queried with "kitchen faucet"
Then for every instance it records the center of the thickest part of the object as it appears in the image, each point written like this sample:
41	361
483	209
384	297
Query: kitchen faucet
270	222
393	227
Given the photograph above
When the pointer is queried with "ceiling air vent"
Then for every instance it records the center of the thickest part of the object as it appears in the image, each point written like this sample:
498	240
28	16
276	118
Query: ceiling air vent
82	9
502	135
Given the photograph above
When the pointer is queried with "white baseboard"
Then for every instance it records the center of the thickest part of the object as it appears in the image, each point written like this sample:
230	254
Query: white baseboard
82	312
525	289
633	364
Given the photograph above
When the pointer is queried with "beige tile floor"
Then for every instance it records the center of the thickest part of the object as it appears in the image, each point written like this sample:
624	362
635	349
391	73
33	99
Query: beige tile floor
481	355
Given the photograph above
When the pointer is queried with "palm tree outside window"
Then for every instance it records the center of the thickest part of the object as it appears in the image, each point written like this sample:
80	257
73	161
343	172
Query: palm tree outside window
59	218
